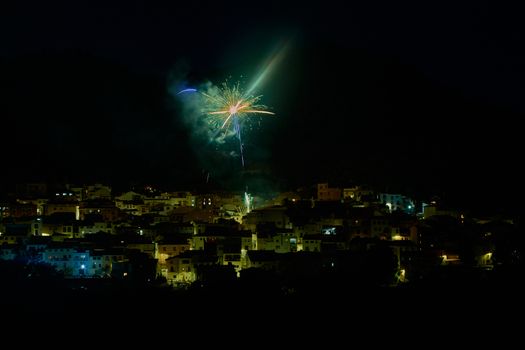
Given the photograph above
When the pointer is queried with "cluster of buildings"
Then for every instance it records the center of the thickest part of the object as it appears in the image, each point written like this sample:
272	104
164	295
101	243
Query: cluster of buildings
91	232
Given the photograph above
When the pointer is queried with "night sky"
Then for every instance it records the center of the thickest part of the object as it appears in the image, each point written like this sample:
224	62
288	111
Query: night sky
420	98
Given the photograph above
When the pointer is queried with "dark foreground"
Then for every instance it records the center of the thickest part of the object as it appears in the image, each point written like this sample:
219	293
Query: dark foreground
439	309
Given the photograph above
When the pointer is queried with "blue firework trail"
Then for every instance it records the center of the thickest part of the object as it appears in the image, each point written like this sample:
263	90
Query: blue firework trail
186	90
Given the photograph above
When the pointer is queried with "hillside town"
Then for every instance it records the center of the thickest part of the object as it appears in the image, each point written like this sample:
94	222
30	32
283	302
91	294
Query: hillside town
183	238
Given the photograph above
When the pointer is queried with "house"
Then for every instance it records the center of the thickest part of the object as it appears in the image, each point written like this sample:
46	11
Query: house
98	191
310	244
280	241
142	244
169	247
72	261
87	227
326	193
262	259
357	193
396	202
8	251
104	259
62	206
183	267
104	209
276	215
19	210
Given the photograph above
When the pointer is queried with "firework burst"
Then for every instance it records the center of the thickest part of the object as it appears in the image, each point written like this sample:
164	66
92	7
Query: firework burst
230	105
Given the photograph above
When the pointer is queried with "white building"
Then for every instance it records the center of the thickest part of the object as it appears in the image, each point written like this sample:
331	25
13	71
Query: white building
73	262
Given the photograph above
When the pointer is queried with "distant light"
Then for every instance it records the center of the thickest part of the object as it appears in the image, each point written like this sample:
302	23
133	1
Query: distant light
329	231
409	207
57	194
333	264
82	266
64	194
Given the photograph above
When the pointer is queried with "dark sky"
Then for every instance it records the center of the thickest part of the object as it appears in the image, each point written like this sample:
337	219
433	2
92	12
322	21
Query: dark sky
423	97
